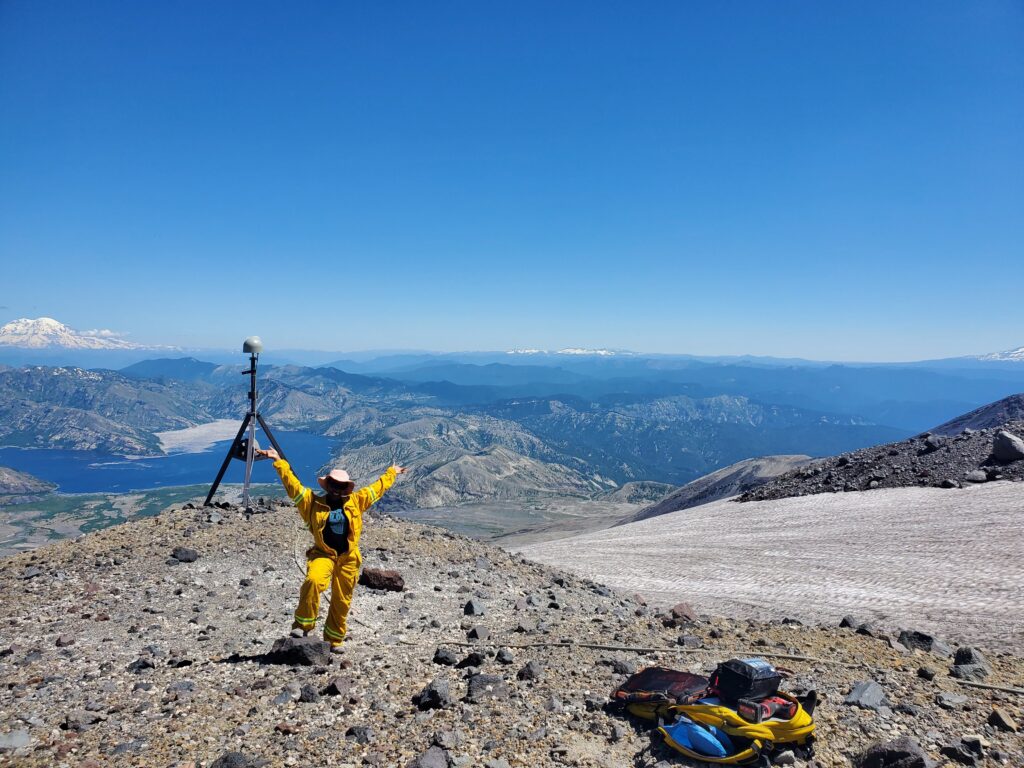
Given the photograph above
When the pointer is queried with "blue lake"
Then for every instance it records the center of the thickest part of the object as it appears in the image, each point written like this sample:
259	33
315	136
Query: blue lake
95	472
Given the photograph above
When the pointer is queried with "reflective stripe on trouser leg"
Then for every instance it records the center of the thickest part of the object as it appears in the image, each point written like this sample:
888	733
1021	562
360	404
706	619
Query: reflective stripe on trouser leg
343	583
318	576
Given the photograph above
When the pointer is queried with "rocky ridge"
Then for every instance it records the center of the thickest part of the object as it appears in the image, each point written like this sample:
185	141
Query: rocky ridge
721	484
21	485
158	643
936	460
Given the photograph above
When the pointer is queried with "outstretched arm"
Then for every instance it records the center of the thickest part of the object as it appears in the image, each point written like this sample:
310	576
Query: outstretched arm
370	495
300	494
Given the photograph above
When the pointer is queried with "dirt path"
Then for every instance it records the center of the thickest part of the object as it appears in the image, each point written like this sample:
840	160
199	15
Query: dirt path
950	561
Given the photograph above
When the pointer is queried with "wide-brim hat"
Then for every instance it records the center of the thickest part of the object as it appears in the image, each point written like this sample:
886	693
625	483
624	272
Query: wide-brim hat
336	480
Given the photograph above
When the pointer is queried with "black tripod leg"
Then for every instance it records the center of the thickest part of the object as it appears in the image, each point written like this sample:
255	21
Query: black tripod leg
227	459
270	434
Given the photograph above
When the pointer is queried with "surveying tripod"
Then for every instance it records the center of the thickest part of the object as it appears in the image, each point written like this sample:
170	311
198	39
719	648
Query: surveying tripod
244	448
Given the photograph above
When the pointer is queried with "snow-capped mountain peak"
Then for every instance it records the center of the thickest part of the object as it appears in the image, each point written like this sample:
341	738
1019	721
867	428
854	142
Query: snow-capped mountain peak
45	332
1016	355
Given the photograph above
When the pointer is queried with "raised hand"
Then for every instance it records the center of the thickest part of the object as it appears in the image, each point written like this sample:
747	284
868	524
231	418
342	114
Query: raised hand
270	453
399	470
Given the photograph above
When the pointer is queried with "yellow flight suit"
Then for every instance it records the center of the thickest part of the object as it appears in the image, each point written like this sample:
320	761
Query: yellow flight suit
323	564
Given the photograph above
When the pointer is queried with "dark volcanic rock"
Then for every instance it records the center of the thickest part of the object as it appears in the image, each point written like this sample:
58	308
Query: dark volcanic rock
944	458
485	687
445	657
185	555
924	642
436	695
903	752
299	652
376	578
530	671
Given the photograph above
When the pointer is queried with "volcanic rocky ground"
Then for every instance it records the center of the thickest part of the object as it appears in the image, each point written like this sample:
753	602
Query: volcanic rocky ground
121	648
971	457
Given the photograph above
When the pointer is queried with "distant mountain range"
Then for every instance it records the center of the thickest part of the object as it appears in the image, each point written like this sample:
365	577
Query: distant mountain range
583	423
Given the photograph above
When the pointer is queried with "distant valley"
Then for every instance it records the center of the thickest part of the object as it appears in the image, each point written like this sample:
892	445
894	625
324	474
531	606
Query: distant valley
576	425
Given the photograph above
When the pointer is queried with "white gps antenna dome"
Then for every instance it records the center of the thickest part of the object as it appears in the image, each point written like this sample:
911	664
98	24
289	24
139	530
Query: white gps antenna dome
252	345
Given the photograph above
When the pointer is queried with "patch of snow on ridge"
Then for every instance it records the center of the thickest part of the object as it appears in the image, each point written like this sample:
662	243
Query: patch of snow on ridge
928	558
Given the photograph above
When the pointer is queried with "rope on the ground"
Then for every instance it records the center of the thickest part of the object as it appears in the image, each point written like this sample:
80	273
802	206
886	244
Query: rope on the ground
646	649
986	686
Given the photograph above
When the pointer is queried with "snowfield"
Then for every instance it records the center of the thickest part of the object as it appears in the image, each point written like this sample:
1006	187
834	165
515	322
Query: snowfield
943	561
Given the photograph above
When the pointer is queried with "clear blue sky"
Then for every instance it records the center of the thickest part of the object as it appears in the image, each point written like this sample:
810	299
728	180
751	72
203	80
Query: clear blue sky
840	181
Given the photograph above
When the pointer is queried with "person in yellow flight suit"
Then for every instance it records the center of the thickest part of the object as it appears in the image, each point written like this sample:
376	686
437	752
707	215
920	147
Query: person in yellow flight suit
336	522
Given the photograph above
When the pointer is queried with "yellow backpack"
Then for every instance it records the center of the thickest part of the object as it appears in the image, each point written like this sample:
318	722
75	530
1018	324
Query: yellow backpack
758	738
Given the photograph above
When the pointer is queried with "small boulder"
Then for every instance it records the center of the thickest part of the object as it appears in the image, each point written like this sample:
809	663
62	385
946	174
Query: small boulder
924	642
970	664
683	612
690	641
445	657
975	672
473	659
903	752
1001	721
184	555
435	757
377	578
976	476
950	701
478	633
436	695
530	671
867	695
959	753
485	687
1007	447
473	608
300	652
337	686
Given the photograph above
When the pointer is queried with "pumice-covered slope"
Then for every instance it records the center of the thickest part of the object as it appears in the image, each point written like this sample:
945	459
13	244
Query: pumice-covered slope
149	644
